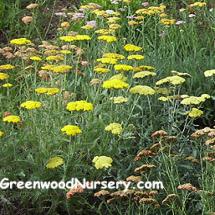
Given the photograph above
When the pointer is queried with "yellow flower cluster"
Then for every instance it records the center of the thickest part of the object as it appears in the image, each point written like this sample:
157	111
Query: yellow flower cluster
123	67
30	105
71	38
195	100
3	76
101	70
135	57
12	119
209	73
1	133
142	90
81	105
114	128
6	67
174	80
198	4
114	84
71	130
20	41
132	48
143	74
47	91
107	38
119	99
102	162
166	21
54	162
195	112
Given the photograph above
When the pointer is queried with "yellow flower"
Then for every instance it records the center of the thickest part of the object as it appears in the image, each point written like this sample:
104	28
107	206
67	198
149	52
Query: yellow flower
47	91
113	55
79	106
118	77
107	38
65	52
115	84
119	99
132	48
7	85
1	133
12	118
30	105
209	73
3	76
6	67
35	58
143	74
195	112
142	90
135	57
165	21
47	67
123	67
198	4
194	100
75	38
114	26
71	130
107	60
163	99
143	68
60	68
114	128
101	70
54	162
20	41
102	162
54	58
174	80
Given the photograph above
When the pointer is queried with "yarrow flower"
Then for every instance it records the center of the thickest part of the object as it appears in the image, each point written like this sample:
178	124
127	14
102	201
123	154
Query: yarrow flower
142	90
54	162
101	162
60	68
209	73
6	67
107	38
20	41
195	100
123	67
114	128
143	74
71	38
119	99
195	112
106	60
12	119
30	105
174	80
7	85
132	48
135	57
101	70
113	55
3	76
79	106
35	58
47	91
114	84
71	130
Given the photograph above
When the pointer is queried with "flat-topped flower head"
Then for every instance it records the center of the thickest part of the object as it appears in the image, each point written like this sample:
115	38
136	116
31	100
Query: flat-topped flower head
30	105
35	58
71	130
143	74
123	67
81	105
101	70
6	67
20	41
114	128
107	60
12	119
195	113
60	68
142	90
114	84
7	85
54	162
78	37
107	38
209	73
113	55
3	76
46	90
135	57
195	100
119	99
101	162
174	80
132	48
